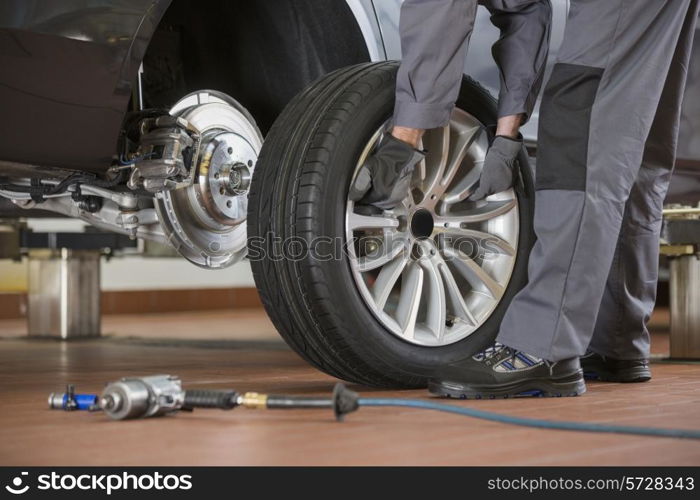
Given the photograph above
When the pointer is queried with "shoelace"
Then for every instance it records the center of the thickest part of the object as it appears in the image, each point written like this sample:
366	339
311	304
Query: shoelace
490	351
497	348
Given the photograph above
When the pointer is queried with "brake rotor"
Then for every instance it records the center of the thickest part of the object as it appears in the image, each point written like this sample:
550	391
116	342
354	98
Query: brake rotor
205	222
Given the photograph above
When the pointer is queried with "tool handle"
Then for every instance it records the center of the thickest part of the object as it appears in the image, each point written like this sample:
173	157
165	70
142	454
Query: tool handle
277	402
203	398
344	401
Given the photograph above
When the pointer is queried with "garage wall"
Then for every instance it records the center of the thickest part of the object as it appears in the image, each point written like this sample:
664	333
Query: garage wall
137	284
142	273
134	272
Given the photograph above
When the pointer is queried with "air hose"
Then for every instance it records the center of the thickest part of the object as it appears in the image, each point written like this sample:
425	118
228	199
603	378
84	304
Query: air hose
531	422
162	394
345	401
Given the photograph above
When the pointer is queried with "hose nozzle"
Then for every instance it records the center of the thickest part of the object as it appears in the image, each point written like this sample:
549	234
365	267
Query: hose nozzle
342	402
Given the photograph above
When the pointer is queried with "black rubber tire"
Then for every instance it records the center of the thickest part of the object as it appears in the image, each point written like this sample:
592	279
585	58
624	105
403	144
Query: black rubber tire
299	190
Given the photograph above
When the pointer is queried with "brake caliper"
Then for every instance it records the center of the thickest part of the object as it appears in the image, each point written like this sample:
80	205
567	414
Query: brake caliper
165	156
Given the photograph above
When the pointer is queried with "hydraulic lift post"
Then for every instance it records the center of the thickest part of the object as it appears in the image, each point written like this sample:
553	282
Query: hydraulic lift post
63	296
681	244
64	281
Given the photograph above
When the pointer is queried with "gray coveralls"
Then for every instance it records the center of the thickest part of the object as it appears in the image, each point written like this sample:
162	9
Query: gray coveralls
434	39
607	140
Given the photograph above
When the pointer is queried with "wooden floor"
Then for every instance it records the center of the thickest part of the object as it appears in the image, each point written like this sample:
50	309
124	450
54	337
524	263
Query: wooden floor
30	434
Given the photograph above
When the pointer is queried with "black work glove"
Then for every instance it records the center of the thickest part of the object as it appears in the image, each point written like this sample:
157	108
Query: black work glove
385	178
499	167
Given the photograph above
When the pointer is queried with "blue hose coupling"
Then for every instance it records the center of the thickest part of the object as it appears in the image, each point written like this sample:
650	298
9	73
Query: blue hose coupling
70	401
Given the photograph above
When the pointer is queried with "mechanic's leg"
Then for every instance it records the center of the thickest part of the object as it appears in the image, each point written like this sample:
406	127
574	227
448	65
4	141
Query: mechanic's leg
597	112
630	293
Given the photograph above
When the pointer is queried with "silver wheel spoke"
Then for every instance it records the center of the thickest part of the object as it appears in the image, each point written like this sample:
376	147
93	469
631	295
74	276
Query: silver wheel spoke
409	300
386	280
422	171
438	155
358	221
455	296
455	144
458	152
464	187
369	263
484	213
487	243
473	273
436	305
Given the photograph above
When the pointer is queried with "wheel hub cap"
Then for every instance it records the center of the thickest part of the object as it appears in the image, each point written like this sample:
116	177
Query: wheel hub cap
422	224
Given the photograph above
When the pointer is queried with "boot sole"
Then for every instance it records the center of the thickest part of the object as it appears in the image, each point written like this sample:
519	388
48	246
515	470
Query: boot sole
565	386
630	376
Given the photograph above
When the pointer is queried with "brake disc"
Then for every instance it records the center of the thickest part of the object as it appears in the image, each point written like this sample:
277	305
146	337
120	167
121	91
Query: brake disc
205	222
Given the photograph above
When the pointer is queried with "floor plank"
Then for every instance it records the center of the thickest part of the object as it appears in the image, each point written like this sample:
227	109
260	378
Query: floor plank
30	434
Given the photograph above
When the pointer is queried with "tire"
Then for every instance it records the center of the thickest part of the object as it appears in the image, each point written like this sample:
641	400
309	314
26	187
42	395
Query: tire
299	191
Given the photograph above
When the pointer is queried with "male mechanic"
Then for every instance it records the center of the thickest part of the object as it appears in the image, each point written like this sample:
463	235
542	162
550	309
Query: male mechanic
607	138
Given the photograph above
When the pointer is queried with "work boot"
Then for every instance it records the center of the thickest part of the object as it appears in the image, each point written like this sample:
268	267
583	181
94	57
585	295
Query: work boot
598	367
503	372
385	178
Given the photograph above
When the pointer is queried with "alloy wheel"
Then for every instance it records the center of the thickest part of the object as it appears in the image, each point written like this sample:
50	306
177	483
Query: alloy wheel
434	268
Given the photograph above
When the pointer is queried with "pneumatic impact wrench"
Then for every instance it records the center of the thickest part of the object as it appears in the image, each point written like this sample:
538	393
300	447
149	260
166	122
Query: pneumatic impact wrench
153	396
159	395
143	397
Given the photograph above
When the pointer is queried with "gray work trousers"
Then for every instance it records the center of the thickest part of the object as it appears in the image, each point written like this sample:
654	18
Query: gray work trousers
606	147
434	39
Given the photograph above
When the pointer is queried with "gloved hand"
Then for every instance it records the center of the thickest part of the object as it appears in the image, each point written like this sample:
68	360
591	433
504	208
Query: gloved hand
385	178
499	167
